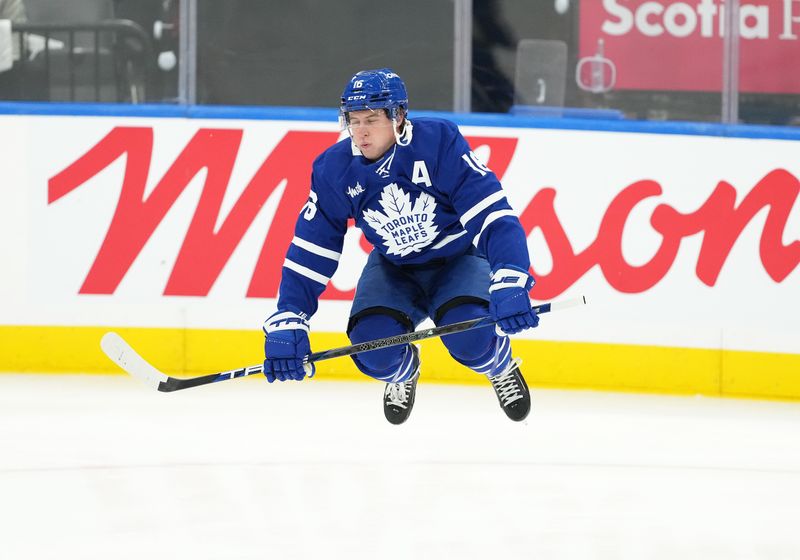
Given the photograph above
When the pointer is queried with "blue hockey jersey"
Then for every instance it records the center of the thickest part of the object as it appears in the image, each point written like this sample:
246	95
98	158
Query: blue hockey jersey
430	199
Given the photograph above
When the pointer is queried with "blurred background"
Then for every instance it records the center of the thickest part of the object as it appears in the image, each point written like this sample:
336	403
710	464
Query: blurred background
610	59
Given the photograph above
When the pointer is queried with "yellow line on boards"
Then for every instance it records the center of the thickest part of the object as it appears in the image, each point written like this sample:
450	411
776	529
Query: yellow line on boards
579	365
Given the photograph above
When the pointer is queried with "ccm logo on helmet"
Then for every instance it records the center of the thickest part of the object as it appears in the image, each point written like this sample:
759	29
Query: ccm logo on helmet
355	97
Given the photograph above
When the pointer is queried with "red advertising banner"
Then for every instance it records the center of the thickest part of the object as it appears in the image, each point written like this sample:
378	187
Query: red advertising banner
206	249
677	45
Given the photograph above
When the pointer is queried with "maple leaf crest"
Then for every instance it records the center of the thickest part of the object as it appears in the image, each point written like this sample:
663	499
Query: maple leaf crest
405	227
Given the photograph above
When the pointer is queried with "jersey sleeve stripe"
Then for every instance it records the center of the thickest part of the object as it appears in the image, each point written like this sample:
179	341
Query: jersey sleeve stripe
307	272
316	249
448	239
491	218
481	206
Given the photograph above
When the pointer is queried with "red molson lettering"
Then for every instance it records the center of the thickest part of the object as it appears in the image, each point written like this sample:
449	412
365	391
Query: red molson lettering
205	252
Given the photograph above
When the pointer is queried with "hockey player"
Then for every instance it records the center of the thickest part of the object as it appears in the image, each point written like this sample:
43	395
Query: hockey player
446	246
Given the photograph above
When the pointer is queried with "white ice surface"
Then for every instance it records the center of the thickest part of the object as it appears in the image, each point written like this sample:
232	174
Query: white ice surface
105	468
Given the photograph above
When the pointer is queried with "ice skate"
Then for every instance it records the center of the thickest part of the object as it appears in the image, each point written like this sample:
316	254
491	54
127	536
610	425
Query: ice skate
512	391
398	398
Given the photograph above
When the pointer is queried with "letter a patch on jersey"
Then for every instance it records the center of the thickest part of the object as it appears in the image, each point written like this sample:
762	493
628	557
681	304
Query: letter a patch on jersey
420	174
405	228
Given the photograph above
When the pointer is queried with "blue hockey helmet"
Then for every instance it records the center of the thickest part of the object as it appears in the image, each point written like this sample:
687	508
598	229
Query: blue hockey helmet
374	90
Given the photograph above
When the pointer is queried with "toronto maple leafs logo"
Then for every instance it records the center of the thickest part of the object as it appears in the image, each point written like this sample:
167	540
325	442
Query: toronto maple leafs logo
405	228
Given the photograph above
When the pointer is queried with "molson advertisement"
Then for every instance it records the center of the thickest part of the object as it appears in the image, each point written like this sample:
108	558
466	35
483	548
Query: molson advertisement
648	42
173	232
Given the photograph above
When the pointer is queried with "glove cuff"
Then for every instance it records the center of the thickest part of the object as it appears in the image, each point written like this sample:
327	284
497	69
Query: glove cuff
286	321
510	276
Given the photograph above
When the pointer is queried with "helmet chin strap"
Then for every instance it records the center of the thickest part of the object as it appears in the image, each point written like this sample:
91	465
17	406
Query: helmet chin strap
404	138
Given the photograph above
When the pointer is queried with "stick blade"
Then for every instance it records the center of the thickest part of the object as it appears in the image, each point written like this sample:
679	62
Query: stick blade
121	353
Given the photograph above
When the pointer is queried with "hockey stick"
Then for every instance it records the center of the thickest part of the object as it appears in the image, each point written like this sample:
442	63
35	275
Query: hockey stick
126	357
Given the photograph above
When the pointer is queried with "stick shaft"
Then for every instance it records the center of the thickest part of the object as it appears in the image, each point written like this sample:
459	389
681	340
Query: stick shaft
429	333
127	358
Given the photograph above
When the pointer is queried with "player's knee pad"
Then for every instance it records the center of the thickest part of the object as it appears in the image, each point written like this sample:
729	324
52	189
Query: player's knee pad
471	347
383	363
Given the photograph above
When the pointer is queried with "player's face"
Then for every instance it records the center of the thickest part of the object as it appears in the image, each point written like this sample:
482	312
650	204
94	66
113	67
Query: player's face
372	132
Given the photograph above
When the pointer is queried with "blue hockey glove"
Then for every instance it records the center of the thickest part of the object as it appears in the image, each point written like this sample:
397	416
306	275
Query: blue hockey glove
286	346
509	305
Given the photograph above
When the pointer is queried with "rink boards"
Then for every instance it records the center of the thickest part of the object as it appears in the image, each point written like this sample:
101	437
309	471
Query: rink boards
172	231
